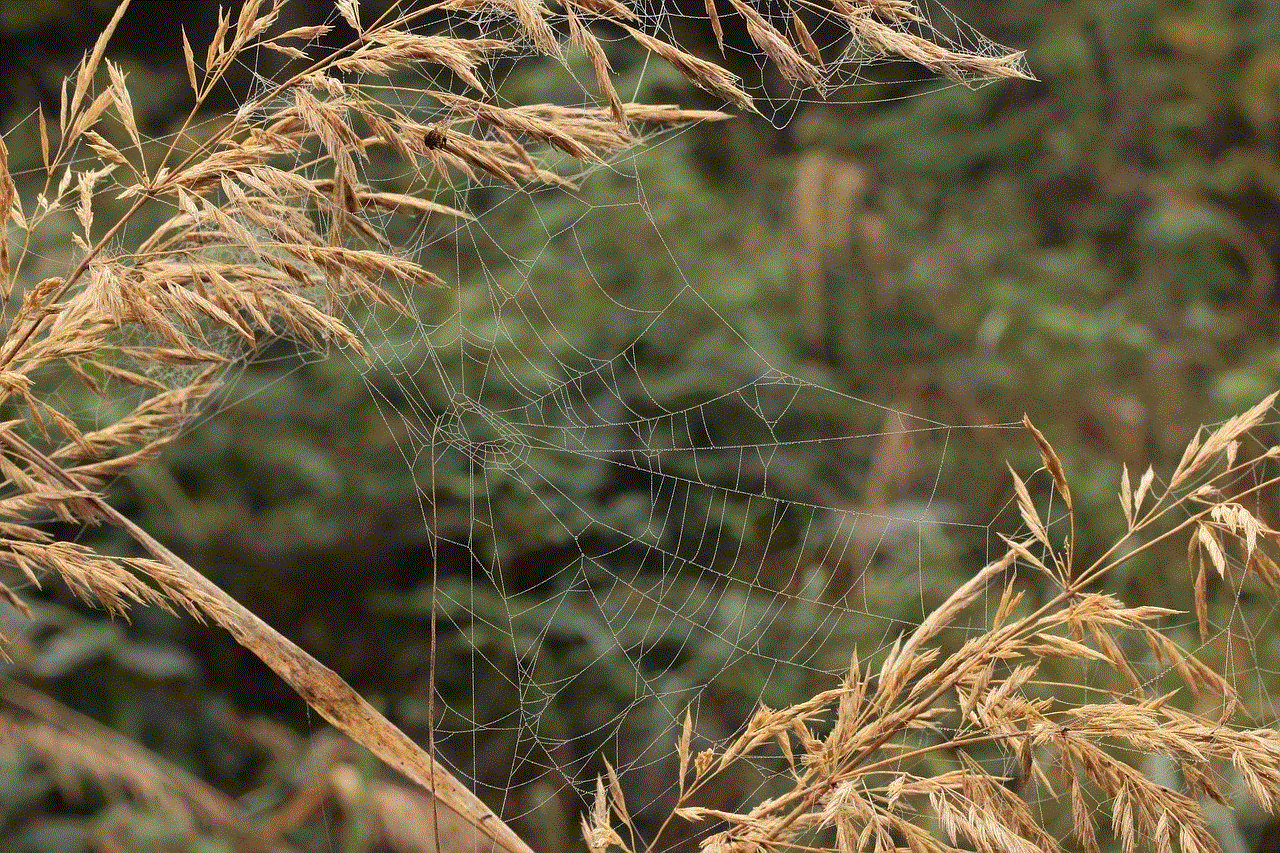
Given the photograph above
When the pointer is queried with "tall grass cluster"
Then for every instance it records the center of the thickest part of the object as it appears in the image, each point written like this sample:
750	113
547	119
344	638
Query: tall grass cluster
189	252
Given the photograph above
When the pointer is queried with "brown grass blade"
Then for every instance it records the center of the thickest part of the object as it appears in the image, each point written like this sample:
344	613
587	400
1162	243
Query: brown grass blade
189	60
1144	486
89	64
350	12
1126	496
686	736
322	688
699	72
1027	509
1051	461
716	27
582	37
806	39
44	137
8	195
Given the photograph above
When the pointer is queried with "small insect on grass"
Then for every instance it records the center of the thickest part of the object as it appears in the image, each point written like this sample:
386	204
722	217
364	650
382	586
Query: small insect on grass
435	138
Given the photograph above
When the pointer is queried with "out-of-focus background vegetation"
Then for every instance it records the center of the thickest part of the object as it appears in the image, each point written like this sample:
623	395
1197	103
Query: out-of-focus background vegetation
1097	249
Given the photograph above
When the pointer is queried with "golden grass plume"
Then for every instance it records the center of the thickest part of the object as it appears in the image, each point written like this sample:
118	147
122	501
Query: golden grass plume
971	749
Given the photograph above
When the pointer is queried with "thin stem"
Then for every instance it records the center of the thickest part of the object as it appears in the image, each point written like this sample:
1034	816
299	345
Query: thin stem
435	586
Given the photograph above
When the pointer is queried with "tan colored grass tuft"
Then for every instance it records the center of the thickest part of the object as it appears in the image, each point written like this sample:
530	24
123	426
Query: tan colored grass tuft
892	760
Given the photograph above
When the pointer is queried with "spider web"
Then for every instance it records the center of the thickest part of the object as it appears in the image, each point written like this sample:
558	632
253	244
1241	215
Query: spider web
681	550
633	509
638	513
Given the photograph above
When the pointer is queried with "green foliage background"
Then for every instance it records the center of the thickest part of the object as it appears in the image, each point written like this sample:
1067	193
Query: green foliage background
1097	249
